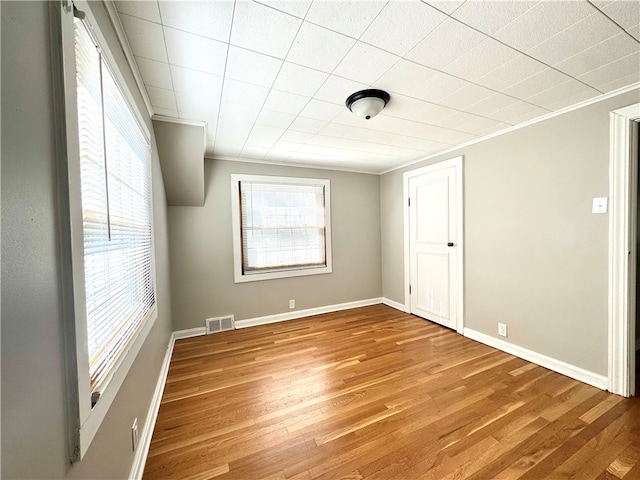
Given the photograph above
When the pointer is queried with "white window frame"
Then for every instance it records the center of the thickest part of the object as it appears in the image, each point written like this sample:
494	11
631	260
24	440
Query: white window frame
85	419
239	276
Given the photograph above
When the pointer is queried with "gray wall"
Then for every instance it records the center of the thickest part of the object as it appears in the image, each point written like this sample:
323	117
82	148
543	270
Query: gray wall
181	150
535	255
34	423
201	250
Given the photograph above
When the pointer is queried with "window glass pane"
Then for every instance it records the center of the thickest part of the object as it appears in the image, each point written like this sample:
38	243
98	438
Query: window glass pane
116	208
283	226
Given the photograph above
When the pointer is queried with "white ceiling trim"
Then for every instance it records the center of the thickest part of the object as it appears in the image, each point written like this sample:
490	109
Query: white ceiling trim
128	53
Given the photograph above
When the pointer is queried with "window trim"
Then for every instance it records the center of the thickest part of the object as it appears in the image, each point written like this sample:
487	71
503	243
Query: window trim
239	276
85	420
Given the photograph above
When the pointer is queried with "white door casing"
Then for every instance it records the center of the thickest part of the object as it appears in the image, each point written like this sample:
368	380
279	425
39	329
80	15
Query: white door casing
623	191
434	243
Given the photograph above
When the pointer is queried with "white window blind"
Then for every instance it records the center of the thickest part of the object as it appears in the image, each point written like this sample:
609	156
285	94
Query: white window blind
116	212
283	226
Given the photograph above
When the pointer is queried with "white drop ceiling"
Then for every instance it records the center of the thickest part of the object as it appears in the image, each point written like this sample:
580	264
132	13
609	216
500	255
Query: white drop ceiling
270	77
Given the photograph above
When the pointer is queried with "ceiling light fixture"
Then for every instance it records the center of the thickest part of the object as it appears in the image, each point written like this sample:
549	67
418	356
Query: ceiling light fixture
367	103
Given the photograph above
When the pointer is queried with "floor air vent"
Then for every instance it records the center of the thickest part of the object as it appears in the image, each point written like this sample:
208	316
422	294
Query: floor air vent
220	324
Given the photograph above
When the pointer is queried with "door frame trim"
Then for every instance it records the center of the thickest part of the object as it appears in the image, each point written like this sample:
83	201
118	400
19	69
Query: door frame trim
456	162
623	189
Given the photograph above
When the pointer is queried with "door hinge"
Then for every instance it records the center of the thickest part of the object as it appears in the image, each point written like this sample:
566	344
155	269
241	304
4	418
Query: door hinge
409	289
409	201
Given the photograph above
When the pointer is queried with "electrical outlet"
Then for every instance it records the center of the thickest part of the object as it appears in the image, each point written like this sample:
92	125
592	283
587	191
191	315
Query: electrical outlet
502	329
134	434
292	304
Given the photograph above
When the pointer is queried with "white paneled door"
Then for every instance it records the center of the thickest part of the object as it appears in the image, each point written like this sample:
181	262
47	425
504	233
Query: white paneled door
433	244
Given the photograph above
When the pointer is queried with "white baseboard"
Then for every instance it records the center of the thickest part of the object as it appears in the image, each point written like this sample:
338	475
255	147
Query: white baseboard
190	332
140	457
281	317
392	304
577	373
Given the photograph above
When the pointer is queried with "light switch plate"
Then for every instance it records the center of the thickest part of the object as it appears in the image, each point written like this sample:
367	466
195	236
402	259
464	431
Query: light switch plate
599	205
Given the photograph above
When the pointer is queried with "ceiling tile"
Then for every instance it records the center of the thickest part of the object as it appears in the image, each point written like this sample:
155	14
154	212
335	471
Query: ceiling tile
195	52
457	120
227	149
195	82
243	93
195	107
635	31
252	67
511	73
537	83
287	146
208	19
626	13
297	8
489	16
542	21
297	137
450	41
348	17
307	125
438	87
481	60
612	49
260	142
484	126
402	106
238	112
293	112
467	95
267	132
433	114
145	38
563	94
365	63
404	76
263	29
285	102
454	137
211	132
253	152
272	118
575	39
446	6
337	89
491	104
319	48
416	19
142	9
156	74
620	82
518	109
162	98
321	110
230	132
601	76
299	80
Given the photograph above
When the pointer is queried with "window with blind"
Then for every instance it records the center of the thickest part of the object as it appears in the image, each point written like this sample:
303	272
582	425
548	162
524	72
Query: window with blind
282	226
115	183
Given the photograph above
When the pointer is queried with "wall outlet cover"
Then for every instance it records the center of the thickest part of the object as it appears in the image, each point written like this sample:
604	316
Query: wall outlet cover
502	329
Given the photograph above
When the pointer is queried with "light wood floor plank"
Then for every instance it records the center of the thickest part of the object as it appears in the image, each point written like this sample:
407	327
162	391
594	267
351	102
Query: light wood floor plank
375	394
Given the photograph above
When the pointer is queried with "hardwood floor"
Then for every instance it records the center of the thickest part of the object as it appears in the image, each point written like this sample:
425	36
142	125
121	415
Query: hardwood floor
373	393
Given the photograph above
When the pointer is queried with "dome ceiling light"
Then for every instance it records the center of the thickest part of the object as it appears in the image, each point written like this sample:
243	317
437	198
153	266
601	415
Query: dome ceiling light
367	103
